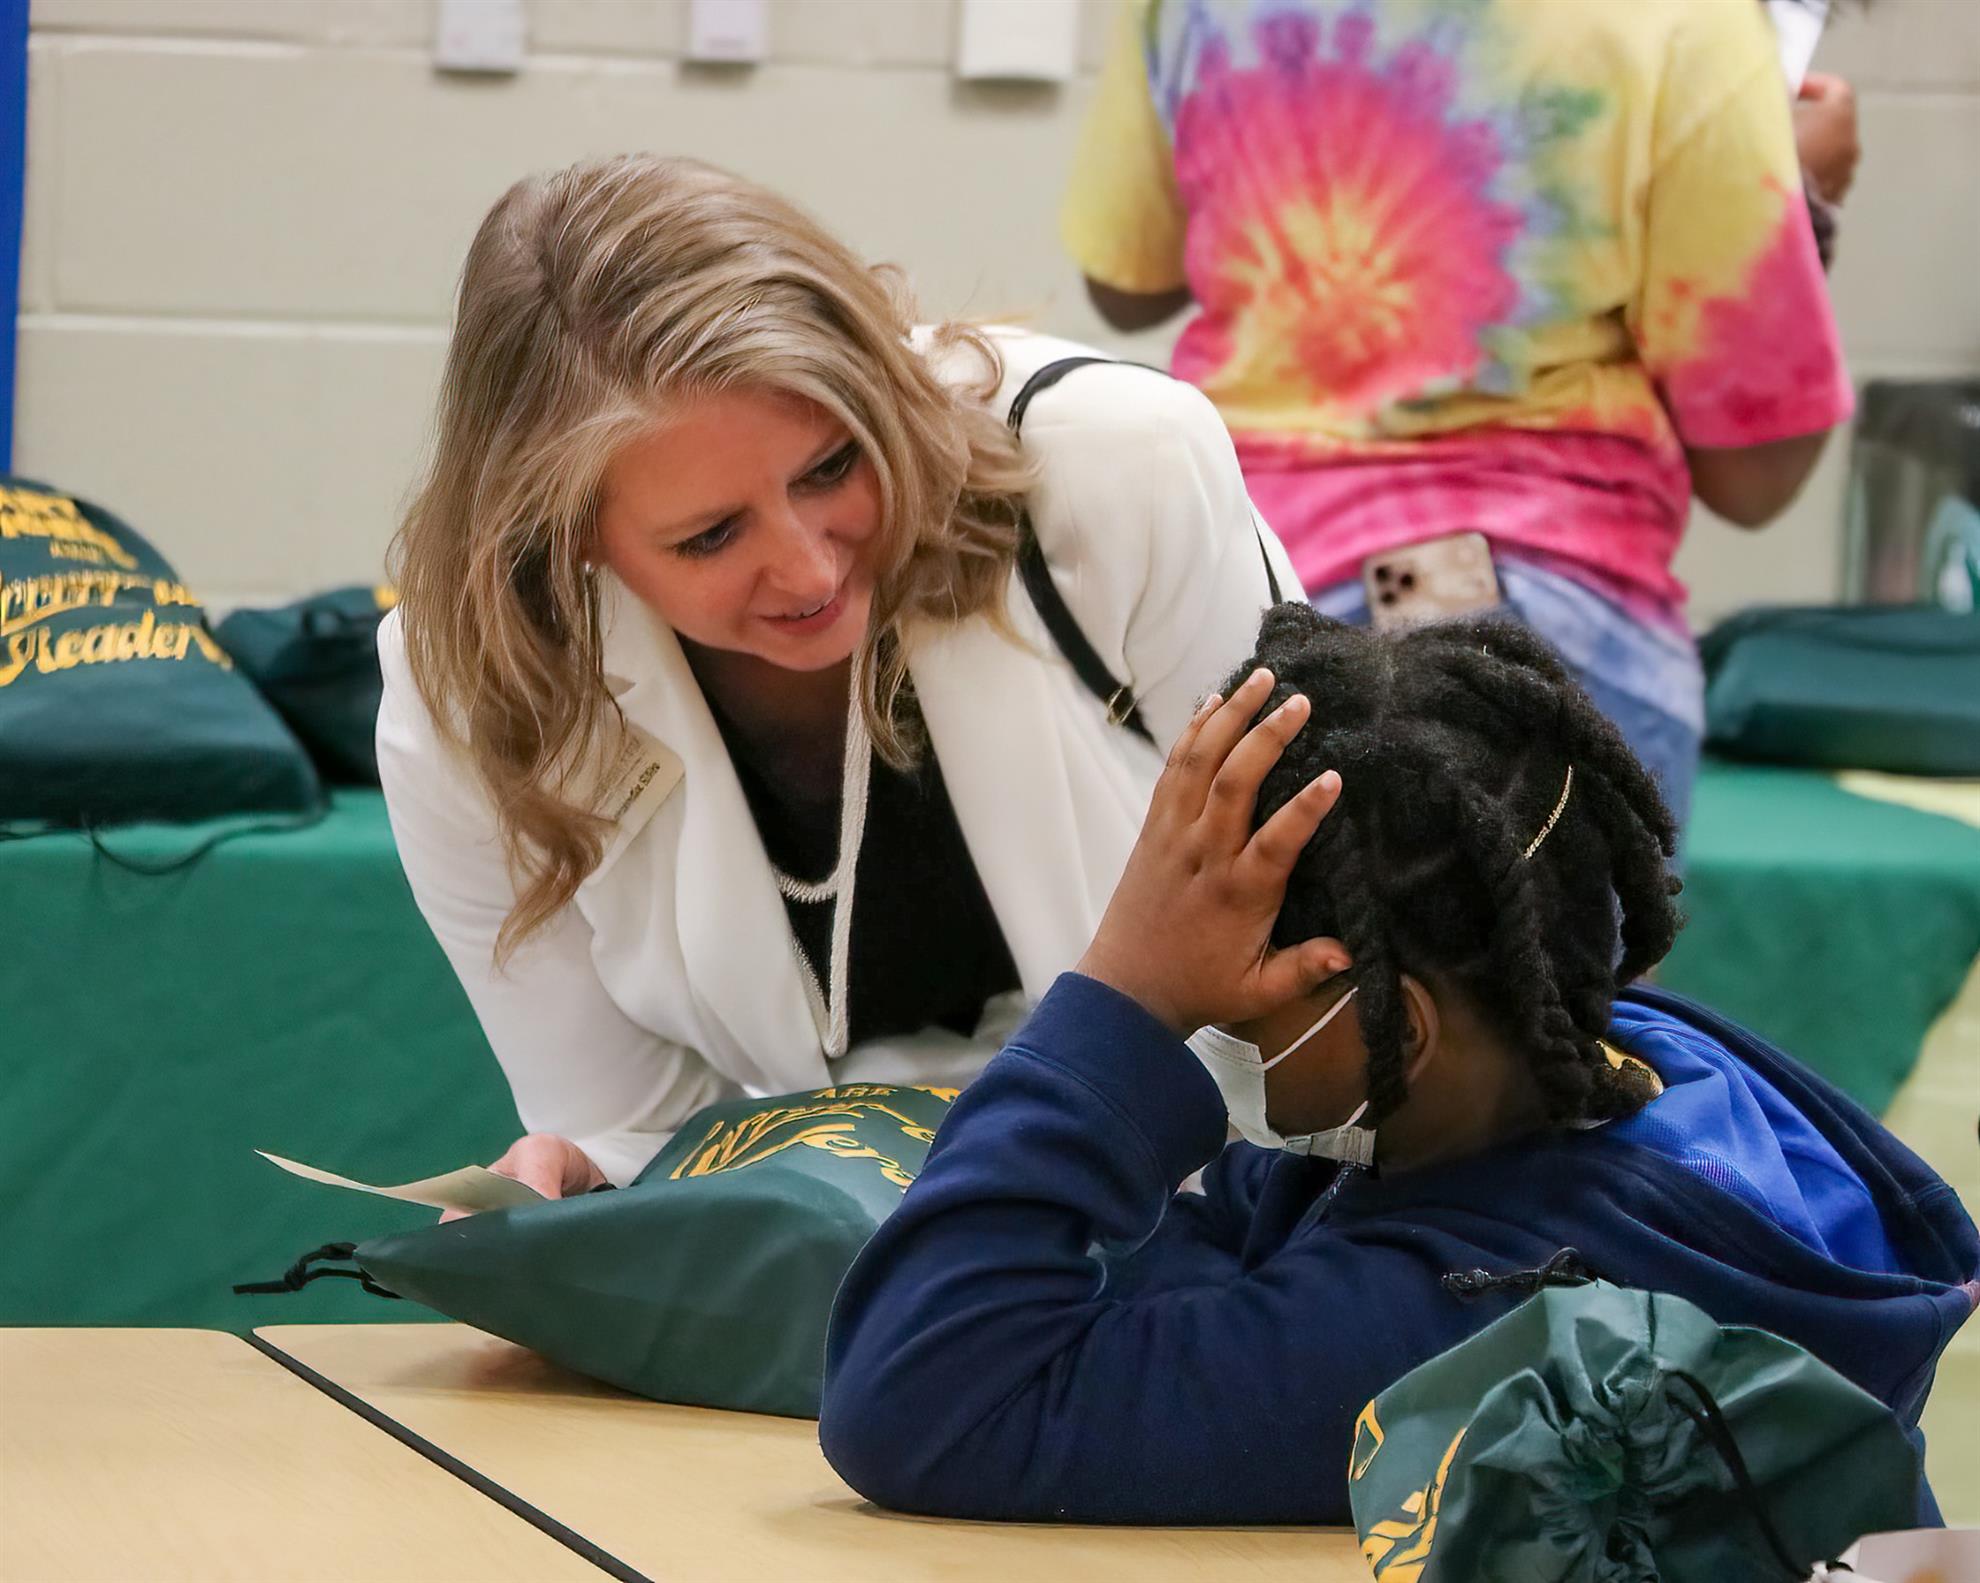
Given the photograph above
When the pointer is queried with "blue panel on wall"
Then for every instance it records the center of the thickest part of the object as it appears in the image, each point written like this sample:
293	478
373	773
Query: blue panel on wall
13	176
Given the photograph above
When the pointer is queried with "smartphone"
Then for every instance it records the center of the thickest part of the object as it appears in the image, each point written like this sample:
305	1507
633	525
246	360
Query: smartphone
1430	581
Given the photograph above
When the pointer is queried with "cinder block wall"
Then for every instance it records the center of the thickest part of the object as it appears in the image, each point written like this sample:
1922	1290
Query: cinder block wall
245	217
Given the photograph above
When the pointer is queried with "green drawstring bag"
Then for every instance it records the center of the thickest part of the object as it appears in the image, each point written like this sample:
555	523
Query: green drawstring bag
1873	687
1601	1435
709	1280
116	702
316	661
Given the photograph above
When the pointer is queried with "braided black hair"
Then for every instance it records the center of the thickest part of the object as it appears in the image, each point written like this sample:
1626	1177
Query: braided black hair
1454	743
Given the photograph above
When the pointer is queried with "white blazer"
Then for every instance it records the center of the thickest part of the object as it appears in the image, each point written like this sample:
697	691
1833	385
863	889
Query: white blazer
673	979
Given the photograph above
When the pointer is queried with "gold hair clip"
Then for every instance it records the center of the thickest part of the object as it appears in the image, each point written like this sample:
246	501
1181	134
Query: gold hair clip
1553	818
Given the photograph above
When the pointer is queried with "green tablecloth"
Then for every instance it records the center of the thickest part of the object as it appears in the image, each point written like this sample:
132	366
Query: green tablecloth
283	993
1837	926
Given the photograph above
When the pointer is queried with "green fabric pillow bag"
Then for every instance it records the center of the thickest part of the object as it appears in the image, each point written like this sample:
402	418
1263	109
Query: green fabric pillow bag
316	661
710	1279
1603	1435
116	702
1874	687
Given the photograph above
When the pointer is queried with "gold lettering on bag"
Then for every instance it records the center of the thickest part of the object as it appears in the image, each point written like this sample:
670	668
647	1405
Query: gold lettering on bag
28	600
30	514
1368	1432
117	643
20	649
27	603
827	1124
1398	1549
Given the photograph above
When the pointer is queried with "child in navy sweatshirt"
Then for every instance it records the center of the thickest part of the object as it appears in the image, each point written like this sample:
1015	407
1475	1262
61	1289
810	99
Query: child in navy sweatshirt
1402	878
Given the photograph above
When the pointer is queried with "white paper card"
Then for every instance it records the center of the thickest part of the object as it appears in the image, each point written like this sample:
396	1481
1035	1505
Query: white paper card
471	1189
1019	40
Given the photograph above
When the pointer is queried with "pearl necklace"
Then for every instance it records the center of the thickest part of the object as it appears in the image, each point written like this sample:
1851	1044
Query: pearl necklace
837	886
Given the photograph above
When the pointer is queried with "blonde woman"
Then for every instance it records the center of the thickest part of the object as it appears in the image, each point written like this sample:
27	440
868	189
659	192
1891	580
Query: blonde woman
730	739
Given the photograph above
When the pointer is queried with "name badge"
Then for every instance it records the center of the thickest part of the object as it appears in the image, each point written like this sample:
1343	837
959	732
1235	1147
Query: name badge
636	781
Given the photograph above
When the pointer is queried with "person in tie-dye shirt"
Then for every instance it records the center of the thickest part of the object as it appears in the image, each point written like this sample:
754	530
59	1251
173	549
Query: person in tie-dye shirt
1539	268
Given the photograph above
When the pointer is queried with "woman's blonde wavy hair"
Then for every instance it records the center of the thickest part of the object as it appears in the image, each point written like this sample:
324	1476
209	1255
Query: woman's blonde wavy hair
592	300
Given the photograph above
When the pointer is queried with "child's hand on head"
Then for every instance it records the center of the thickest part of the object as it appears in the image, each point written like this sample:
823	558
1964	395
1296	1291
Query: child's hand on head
1188	932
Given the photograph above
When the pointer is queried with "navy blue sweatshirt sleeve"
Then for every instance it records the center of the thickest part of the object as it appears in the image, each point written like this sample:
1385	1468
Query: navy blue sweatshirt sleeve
980	1366
1201	1237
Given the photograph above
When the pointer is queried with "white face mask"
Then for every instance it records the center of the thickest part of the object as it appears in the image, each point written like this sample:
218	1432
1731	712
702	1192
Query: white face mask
1238	1069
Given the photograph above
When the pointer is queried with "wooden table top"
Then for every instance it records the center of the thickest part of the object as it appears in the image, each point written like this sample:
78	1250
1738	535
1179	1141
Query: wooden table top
164	1455
683	1492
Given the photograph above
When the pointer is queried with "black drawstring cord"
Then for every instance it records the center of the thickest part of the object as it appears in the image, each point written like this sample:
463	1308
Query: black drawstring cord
151	869
1719	1436
299	1274
1565	1268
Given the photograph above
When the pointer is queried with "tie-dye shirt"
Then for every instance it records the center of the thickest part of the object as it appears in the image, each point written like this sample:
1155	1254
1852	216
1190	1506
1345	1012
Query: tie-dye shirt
1462	264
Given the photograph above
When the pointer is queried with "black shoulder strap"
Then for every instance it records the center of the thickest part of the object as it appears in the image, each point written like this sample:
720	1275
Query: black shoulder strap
1044	379
1118	696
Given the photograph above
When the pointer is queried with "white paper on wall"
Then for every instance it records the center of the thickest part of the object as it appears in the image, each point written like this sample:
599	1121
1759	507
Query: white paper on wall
478	35
1018	40
729	32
